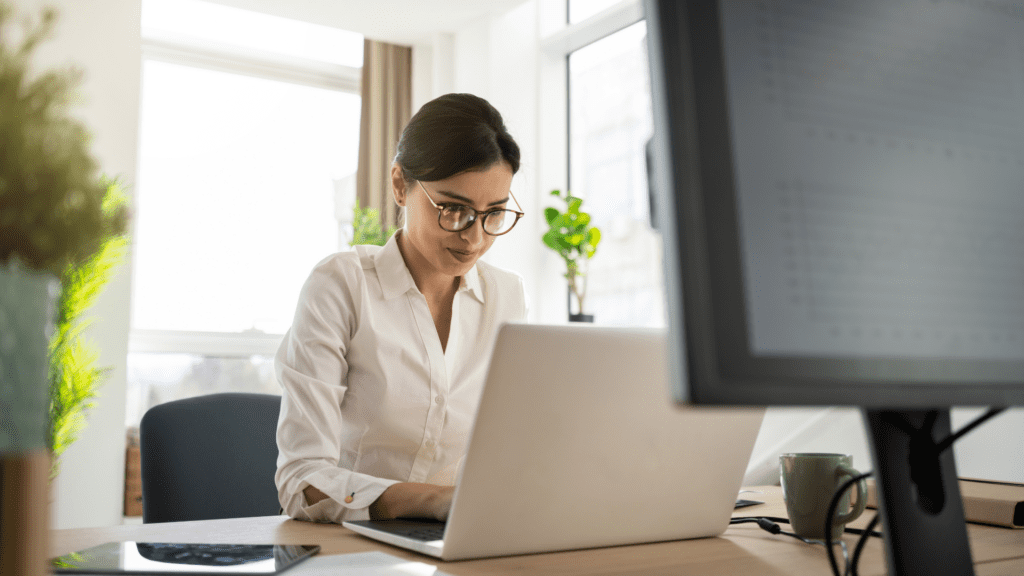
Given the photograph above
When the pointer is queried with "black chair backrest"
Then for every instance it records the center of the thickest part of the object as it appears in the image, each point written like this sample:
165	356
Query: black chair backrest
210	457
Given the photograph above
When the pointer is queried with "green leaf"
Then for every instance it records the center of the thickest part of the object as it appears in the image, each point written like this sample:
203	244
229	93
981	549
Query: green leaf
550	214
574	205
553	240
556	192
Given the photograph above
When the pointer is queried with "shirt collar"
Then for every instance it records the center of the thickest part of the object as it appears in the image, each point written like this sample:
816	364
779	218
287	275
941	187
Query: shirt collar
394	275
395	278
471	281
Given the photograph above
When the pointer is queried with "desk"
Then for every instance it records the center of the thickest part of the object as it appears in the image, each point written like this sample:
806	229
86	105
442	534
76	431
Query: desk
743	550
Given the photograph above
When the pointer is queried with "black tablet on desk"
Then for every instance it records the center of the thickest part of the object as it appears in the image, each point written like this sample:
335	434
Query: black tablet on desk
161	558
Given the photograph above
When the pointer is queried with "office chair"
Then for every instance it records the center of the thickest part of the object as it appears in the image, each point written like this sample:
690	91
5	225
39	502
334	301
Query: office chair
210	457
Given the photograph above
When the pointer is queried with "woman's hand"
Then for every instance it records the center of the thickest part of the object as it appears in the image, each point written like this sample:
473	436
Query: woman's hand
413	500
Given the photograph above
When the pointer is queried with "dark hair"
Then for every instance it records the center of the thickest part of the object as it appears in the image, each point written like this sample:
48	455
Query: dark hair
452	134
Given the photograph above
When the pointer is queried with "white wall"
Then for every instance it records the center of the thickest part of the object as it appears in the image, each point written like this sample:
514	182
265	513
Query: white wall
101	37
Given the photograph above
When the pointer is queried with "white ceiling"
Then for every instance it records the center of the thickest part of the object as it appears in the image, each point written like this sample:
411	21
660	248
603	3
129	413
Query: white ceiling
395	21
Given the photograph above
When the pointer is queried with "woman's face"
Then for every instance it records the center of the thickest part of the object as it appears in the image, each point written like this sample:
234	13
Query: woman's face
433	248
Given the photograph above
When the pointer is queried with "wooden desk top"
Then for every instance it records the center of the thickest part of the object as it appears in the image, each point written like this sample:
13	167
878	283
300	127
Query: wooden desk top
743	549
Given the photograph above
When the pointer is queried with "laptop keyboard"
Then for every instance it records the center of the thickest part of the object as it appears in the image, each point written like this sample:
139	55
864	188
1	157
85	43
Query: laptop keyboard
423	530
427	534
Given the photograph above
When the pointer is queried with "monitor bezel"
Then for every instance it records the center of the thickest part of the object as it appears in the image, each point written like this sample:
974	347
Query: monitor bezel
703	265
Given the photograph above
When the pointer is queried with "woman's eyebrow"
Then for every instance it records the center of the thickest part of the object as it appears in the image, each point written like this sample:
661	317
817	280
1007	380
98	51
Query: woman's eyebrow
454	196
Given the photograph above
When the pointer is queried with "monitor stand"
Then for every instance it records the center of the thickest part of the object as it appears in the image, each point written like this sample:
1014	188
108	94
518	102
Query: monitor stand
918	493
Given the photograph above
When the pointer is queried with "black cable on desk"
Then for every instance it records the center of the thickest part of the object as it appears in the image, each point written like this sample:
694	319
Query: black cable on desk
830	517
860	545
776	519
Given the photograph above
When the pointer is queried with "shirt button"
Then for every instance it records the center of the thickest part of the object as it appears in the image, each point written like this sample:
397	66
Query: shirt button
430	443
440	399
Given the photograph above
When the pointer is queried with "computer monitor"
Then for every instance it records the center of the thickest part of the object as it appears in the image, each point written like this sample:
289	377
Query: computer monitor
840	188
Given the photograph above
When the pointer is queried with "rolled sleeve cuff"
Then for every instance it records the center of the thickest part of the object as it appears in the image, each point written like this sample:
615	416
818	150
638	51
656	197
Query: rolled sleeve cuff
362	488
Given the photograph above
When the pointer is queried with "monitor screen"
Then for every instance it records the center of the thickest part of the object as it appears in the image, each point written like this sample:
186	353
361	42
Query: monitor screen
841	190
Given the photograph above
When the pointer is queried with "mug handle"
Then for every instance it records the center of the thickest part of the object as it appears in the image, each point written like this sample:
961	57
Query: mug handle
862	495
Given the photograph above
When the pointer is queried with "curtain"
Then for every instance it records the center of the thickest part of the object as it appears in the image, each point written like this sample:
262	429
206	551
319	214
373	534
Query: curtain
387	107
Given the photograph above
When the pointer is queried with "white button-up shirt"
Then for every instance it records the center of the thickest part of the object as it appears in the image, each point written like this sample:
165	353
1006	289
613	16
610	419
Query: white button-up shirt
370	399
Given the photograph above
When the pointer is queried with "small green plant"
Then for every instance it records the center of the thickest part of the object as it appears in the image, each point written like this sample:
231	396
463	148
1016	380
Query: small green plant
574	239
366	228
73	375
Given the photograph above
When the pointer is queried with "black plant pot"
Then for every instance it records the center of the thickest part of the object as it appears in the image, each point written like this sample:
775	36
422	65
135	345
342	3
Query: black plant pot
581	318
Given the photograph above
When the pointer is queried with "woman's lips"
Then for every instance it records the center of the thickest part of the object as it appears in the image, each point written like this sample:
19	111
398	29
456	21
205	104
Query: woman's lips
462	256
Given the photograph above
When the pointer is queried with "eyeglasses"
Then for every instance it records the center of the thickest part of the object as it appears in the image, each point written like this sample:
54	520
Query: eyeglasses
459	217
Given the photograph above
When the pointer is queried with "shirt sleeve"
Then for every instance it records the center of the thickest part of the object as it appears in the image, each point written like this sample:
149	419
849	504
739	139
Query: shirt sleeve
312	369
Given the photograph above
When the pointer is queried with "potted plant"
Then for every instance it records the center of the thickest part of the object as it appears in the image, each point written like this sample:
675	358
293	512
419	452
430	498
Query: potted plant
366	228
52	217
571	235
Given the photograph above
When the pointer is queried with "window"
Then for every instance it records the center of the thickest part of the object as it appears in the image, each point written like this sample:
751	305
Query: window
609	125
580	10
248	149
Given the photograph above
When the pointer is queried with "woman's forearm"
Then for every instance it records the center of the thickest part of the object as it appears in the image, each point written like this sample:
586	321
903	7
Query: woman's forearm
402	500
413	500
313	495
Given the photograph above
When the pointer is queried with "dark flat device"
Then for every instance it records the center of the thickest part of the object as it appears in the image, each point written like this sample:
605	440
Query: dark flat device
161	558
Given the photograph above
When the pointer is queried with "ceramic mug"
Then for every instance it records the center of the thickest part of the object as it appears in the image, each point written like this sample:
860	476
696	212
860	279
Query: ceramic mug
809	480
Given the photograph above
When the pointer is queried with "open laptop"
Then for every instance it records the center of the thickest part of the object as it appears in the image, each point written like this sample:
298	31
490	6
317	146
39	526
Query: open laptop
577	443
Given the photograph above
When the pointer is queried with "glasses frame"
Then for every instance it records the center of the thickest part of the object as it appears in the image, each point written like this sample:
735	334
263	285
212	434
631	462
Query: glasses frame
476	214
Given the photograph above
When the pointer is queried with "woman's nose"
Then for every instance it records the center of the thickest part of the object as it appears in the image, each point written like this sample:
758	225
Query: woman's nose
474	235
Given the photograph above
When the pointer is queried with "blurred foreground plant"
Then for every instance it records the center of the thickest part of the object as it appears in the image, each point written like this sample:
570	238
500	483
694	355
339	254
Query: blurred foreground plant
74	377
57	213
51	194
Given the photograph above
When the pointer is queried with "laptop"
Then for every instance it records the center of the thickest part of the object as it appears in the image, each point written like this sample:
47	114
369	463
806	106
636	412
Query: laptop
577	443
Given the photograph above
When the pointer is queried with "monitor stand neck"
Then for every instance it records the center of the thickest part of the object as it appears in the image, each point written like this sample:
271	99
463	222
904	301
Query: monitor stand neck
918	493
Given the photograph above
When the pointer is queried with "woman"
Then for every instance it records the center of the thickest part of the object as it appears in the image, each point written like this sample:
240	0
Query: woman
383	366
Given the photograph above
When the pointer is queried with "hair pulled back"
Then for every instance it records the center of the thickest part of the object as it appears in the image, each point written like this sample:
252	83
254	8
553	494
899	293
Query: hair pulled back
452	134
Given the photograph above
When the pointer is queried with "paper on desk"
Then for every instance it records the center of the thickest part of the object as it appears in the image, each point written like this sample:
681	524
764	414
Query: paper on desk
369	563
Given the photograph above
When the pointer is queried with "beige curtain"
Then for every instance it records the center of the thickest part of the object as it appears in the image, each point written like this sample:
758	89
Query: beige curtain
387	107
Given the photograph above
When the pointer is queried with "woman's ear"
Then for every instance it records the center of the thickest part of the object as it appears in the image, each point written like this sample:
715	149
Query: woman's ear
398	184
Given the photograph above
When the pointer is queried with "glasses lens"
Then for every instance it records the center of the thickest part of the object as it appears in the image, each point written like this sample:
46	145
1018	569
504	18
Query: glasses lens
499	221
455	218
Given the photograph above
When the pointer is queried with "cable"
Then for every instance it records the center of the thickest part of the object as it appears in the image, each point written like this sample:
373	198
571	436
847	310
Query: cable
777	519
830	517
990	413
940	447
768	523
852	570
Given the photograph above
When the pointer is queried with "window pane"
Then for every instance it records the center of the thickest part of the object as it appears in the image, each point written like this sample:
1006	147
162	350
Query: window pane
610	122
236	196
159	378
580	10
246	29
